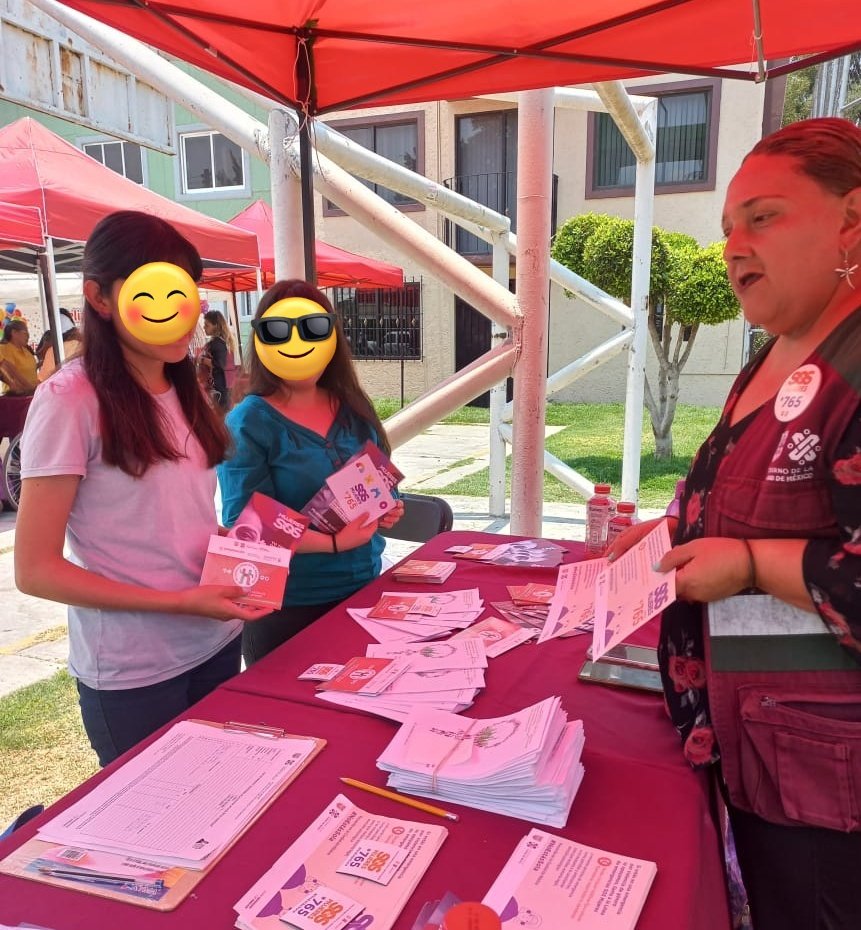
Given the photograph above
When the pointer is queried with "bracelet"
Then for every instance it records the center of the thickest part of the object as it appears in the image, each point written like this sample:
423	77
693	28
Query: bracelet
334	539
751	563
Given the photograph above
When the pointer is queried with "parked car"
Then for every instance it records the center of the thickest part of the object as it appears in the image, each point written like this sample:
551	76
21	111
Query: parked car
399	344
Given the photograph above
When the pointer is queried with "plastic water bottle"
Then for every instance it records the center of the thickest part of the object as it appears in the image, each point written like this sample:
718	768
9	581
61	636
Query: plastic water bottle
674	508
470	915
599	510
624	518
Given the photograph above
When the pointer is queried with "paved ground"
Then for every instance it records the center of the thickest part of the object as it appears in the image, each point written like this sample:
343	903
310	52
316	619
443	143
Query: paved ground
33	643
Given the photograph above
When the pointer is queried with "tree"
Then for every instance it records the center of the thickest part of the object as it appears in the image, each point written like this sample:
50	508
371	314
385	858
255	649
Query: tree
688	288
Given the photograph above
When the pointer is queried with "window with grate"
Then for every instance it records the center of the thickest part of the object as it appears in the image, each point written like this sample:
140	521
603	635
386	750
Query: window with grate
382	323
685	147
126	158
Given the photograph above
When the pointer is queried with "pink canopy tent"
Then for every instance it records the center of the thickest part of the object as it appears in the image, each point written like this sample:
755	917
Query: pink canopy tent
20	226
335	267
73	192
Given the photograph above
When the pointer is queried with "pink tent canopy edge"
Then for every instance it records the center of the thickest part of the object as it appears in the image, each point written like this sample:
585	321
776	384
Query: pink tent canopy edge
20	226
335	267
73	192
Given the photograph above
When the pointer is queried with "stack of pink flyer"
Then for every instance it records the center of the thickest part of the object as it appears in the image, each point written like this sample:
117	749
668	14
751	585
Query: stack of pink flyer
409	617
553	882
394	678
526	764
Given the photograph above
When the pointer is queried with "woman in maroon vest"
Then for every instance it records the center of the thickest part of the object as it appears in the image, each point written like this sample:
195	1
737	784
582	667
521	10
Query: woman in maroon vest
761	653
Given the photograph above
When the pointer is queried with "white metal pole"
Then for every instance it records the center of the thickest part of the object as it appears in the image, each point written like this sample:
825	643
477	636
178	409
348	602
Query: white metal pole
450	394
534	192
395	228
496	497
50	283
644	200
286	189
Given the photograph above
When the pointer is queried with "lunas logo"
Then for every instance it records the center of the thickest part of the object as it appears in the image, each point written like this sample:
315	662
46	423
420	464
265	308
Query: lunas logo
246	574
803	447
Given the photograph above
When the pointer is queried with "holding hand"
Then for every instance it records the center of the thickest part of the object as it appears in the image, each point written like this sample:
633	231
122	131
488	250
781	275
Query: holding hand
710	569
391	517
218	602
355	534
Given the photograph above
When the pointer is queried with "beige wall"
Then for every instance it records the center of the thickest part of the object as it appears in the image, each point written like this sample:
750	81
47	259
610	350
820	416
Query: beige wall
717	353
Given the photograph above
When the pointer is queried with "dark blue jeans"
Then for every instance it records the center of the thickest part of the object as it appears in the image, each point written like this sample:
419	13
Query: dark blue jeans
117	720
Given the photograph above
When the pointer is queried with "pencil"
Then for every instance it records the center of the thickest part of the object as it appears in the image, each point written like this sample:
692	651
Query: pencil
394	796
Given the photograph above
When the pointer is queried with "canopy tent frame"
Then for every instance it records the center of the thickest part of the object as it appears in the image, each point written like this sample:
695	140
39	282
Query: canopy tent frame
488	296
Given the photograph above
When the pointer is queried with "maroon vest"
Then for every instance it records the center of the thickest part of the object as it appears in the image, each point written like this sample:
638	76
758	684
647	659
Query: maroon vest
786	708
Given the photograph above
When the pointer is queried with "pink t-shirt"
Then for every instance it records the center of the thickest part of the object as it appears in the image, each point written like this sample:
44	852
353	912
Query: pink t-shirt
150	531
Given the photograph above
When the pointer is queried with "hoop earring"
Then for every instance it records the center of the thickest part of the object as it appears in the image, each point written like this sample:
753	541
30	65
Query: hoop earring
847	270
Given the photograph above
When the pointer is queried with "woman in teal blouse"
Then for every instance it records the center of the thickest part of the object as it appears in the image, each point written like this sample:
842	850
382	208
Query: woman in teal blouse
303	416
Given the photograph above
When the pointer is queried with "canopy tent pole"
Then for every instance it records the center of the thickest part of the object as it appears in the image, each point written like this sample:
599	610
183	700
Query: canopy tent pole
305	88
48	274
496	496
534	195
287	200
644	200
236	329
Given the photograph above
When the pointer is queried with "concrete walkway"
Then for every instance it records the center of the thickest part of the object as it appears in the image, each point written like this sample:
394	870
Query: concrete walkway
33	641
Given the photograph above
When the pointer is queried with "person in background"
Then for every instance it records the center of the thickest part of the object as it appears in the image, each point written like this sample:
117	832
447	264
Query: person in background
71	344
215	362
772	505
304	415
118	457
17	361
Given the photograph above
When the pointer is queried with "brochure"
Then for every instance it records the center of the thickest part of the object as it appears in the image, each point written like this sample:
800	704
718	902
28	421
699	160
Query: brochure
255	554
333	857
629	592
572	608
265	520
362	487
418	570
553	882
260	570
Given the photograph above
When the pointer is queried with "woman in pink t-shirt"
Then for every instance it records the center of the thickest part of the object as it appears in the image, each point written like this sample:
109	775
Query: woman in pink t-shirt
118	460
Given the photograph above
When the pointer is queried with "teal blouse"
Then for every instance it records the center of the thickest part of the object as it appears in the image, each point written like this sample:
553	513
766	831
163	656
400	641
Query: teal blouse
281	458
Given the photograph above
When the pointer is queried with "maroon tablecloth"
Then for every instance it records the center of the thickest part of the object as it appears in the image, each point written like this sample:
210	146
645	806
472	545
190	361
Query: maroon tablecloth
638	798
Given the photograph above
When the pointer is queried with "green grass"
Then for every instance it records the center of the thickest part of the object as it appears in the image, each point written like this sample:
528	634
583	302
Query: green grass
387	406
43	746
592	444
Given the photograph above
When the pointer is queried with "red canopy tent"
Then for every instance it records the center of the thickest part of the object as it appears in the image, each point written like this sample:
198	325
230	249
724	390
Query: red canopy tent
335	54
73	192
335	267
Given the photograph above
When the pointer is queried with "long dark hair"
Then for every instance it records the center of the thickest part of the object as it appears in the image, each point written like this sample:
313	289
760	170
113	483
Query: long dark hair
134	431
339	377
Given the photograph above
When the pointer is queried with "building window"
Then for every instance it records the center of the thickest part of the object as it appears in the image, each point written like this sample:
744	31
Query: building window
382	324
486	165
399	140
210	162
126	158
686	145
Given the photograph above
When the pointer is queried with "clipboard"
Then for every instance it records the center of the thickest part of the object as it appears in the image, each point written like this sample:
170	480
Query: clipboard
176	882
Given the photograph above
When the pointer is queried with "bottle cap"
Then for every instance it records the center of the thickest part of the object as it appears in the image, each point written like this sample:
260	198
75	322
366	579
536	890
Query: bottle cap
626	507
470	915
603	488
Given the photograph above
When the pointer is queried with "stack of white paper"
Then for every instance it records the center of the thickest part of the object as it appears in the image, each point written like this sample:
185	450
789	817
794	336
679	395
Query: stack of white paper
526	764
419	616
184	798
444	675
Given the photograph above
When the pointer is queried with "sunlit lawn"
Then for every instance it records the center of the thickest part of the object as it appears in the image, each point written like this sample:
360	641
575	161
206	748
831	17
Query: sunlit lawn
43	749
591	443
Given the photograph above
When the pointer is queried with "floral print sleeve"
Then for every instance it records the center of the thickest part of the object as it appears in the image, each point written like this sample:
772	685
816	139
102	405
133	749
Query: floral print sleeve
832	568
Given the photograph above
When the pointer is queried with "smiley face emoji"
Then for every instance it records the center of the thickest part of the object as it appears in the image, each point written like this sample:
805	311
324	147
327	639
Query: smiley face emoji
159	303
295	338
